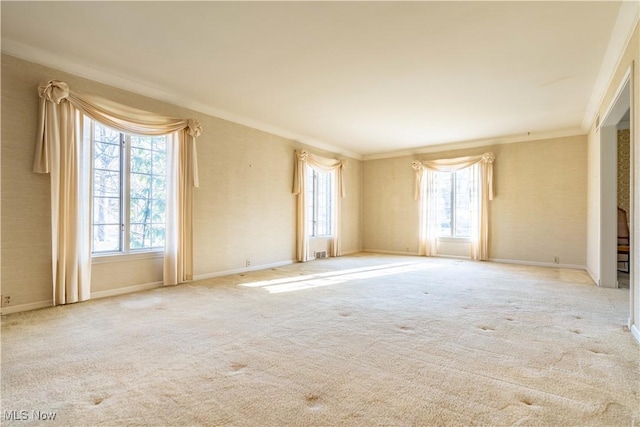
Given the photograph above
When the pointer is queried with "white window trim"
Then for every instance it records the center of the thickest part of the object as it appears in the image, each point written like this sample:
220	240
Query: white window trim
107	257
314	212
454	239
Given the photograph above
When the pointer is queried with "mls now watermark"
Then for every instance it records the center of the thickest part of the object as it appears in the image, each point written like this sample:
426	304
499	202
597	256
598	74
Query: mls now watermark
25	415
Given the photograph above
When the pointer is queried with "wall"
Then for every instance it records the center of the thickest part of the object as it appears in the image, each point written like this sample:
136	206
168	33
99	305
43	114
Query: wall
624	163
539	211
629	59
244	209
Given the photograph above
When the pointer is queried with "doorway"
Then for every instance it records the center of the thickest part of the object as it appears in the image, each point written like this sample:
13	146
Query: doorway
624	199
616	191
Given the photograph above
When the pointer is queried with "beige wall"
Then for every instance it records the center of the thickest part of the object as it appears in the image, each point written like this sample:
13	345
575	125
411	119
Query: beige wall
624	172
629	59
244	209
390	213
539	211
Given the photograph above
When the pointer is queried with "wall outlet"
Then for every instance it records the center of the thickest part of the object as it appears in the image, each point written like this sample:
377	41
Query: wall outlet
556	260
248	263
6	300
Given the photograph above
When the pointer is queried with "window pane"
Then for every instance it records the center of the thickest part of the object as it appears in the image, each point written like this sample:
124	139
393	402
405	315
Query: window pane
106	210
107	189
157	211
157	236
443	183
159	144
141	141
323	197
104	134
463	202
159	163
106	183
106	156
140	185
139	236
106	238
139	210
311	203
148	191
159	187
140	160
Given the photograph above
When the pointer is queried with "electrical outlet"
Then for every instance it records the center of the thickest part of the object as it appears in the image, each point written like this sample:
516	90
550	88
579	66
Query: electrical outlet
6	300
556	260
248	263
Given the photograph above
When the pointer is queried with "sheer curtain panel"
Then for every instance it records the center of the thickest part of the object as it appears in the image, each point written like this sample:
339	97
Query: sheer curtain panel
63	152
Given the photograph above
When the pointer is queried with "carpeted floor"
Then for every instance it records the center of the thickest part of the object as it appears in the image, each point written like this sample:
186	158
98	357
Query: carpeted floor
361	340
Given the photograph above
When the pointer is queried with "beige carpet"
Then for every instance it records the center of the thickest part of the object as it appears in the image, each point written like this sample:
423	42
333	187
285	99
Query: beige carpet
361	340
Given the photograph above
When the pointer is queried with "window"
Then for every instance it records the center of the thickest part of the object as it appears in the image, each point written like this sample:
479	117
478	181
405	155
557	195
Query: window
454	195
319	206
129	191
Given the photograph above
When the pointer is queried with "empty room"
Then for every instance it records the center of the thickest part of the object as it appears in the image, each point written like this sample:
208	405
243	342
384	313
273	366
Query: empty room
320	213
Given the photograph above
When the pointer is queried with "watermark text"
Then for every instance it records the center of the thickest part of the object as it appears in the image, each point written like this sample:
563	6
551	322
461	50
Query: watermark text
33	415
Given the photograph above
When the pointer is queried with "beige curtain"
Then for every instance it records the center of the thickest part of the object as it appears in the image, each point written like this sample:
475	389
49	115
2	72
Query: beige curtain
424	190
302	161
63	152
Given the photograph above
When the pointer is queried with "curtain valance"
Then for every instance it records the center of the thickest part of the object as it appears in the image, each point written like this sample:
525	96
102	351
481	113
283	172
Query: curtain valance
118	116
452	165
317	162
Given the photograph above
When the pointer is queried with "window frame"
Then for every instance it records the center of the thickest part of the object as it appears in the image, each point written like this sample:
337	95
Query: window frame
453	236
313	213
124	250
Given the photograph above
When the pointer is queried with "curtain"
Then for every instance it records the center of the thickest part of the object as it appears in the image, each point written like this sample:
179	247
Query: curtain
302	161
63	152
482	173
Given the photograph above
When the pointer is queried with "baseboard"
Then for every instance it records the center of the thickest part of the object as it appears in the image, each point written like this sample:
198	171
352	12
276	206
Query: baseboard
382	251
94	295
242	270
635	332
26	307
126	290
591	274
453	257
538	264
351	252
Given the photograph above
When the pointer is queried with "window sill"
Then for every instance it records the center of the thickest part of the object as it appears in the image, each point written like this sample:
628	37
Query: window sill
120	257
454	239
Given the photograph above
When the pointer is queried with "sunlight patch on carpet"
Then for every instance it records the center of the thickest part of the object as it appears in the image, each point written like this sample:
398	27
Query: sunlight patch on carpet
297	283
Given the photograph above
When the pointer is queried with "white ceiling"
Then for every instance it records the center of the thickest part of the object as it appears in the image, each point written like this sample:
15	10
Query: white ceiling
366	77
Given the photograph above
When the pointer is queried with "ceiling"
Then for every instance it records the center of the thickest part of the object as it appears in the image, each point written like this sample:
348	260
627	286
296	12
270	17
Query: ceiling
360	77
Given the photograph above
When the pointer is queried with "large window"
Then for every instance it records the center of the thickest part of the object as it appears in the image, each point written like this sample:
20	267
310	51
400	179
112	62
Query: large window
319	206
454	195
129	191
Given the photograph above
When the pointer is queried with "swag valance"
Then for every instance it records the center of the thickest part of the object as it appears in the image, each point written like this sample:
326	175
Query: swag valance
452	165
303	157
63	151
117	116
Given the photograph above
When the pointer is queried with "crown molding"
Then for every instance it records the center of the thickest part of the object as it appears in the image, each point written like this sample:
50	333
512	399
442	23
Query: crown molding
627	20
49	59
509	139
